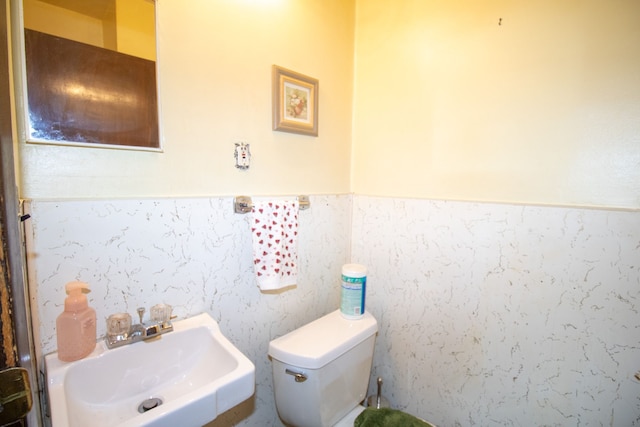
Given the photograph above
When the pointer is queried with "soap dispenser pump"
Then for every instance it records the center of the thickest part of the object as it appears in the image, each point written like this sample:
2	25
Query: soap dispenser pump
76	325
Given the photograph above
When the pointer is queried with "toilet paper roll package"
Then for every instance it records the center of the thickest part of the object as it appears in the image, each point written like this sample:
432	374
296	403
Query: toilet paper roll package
353	291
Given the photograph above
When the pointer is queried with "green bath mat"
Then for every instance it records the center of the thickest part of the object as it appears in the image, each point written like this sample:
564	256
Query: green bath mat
386	417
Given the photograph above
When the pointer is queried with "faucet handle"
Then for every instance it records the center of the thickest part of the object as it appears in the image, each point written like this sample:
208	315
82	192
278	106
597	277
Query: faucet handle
161	313
119	324
141	311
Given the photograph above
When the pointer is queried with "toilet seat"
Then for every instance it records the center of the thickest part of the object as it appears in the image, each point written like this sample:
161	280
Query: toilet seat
350	418
385	416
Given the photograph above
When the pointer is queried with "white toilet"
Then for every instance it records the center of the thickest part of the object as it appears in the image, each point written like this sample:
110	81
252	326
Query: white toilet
321	370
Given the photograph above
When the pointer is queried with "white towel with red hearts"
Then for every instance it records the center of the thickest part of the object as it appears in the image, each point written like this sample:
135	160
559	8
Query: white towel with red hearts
274	227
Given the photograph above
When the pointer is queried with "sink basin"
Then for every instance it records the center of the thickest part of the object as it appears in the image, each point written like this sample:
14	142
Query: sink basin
194	371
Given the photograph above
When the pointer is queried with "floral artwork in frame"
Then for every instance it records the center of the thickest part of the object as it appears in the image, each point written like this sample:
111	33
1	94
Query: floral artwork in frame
295	102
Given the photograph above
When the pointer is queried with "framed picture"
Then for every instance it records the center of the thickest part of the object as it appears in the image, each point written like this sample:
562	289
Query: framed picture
295	102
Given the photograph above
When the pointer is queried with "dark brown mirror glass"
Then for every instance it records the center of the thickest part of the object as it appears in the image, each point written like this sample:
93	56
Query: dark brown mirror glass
91	72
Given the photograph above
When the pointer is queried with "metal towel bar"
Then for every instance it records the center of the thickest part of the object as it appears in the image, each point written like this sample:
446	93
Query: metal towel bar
243	204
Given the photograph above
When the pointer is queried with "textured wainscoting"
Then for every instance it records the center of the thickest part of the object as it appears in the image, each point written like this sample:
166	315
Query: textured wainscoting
194	254
502	315
489	314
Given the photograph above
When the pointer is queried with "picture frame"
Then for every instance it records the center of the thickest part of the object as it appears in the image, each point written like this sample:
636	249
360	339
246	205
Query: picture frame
295	102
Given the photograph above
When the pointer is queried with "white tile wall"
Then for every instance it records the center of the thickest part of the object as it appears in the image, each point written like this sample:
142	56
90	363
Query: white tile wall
489	314
501	315
194	254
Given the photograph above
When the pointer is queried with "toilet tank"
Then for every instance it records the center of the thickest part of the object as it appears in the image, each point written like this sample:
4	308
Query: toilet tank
332	356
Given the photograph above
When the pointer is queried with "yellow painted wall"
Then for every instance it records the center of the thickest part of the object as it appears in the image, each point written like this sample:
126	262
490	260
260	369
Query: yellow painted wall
535	102
125	26
61	22
136	28
214	62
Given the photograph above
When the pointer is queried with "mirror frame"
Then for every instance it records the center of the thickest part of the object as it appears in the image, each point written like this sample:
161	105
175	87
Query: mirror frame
21	89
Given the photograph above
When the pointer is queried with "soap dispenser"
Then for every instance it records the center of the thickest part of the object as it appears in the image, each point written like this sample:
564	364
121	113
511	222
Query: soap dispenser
76	325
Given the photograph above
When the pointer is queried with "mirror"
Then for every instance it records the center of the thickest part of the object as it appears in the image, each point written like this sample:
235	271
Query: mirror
90	73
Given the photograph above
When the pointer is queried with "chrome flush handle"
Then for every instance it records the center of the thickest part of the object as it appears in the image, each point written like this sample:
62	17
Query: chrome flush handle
299	376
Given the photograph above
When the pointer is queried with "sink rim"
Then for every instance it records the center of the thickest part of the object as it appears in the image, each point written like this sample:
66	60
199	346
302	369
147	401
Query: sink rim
240	376
138	374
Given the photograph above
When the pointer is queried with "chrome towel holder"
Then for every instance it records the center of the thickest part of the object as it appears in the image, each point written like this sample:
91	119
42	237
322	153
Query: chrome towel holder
243	204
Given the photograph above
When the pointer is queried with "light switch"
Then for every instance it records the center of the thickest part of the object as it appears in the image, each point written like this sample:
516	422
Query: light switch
242	155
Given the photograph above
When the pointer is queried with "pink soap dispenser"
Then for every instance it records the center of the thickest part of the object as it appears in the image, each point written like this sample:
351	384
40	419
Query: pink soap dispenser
76	325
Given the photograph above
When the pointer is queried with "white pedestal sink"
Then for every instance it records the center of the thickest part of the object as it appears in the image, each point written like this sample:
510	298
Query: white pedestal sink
194	371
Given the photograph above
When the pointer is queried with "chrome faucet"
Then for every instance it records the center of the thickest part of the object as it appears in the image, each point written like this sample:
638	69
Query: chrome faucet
121	332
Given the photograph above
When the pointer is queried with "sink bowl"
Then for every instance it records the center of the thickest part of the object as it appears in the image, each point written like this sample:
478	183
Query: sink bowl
187	377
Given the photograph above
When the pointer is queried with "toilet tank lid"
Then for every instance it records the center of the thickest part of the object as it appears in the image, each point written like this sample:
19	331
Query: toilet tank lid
317	343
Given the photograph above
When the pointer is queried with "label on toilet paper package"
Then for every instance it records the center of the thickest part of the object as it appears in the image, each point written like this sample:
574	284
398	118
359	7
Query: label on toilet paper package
353	294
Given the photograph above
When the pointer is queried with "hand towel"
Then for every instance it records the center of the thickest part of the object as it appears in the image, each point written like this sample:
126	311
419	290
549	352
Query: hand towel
274	229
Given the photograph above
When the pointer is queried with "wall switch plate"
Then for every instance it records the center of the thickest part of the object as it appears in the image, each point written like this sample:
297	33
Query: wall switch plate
242	155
